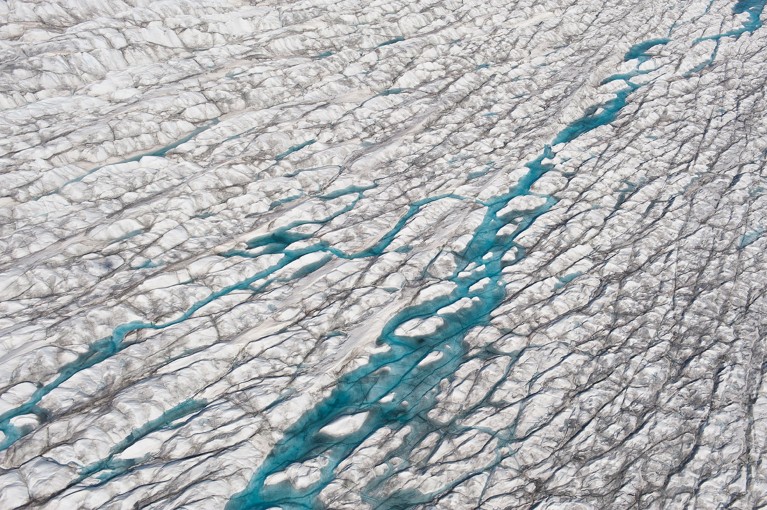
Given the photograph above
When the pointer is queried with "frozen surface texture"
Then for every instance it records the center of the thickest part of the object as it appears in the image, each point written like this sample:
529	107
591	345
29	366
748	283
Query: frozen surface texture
383	255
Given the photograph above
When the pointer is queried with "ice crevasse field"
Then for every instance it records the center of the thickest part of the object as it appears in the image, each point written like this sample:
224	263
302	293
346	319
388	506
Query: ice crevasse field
334	255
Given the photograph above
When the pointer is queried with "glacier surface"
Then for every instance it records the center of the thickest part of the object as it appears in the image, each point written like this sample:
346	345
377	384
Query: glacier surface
341	255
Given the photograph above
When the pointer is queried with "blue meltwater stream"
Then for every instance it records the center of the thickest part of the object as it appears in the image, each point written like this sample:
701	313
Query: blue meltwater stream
394	388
